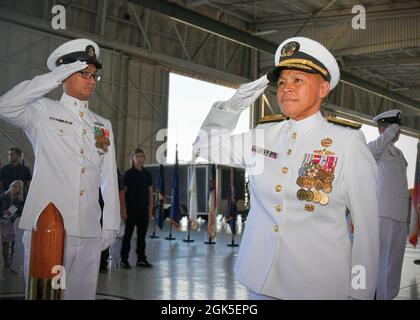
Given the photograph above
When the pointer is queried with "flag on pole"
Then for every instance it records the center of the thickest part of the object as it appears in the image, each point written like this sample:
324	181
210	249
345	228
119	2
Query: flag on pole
175	213
211	227
192	192
232	210
415	203
160	217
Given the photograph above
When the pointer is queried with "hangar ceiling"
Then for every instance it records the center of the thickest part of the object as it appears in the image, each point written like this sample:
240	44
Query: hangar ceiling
226	42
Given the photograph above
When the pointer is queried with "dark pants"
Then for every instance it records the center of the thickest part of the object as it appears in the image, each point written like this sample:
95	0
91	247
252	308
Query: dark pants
104	259
140	220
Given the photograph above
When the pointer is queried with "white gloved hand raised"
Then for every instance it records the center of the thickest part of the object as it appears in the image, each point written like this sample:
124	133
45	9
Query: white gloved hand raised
394	128
246	94
108	237
64	71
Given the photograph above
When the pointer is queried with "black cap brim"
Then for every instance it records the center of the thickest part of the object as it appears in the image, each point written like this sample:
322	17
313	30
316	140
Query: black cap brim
273	75
390	120
79	56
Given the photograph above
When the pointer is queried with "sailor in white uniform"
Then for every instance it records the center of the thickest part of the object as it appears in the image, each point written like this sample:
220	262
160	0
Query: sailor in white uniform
74	156
393	203
304	173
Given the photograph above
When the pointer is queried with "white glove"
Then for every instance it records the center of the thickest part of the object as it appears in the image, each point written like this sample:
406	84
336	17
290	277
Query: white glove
108	237
394	128
246	94
64	71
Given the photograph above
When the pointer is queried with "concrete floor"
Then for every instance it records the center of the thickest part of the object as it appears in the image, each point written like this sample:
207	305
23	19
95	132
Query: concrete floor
191	271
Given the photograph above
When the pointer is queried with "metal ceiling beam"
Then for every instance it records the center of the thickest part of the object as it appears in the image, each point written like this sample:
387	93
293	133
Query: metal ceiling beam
388	62
413	93
101	17
166	61
334	15
195	3
194	19
354	81
207	24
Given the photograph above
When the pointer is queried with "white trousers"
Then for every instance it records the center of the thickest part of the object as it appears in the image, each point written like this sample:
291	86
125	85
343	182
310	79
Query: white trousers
81	263
115	247
393	238
18	250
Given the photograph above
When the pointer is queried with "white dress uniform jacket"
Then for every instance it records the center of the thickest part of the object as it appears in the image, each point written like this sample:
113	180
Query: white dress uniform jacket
392	176
293	249
68	167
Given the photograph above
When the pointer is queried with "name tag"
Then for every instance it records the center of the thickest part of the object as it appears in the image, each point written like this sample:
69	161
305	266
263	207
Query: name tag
61	120
264	152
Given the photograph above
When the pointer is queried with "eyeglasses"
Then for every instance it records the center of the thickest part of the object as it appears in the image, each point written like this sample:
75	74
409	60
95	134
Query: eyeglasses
87	75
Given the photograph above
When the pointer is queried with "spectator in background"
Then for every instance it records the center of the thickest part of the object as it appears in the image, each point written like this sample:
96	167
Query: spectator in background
15	170
11	205
139	201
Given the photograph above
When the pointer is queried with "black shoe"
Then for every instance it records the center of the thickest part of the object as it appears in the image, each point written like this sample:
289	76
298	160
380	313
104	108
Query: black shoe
125	265
144	264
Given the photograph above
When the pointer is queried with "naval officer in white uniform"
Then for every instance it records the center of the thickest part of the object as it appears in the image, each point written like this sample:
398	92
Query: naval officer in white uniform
74	156
303	175
393	203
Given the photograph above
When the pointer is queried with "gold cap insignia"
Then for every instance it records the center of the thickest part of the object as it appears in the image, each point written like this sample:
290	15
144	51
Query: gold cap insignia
90	51
289	49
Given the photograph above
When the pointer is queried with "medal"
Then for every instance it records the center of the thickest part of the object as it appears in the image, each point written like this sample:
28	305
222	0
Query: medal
299	181
102	139
309	195
324	199
310	183
301	194
327	187
318	184
317	196
315	174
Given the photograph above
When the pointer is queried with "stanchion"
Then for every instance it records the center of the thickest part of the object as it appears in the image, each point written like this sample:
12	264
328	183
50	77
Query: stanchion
153	235
188	239
210	241
170	233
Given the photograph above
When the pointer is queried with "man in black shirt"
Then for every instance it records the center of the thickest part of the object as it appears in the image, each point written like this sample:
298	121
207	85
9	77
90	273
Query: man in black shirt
138	185
14	171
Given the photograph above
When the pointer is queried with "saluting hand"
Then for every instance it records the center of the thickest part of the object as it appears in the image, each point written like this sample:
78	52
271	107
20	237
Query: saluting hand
245	96
395	129
66	70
